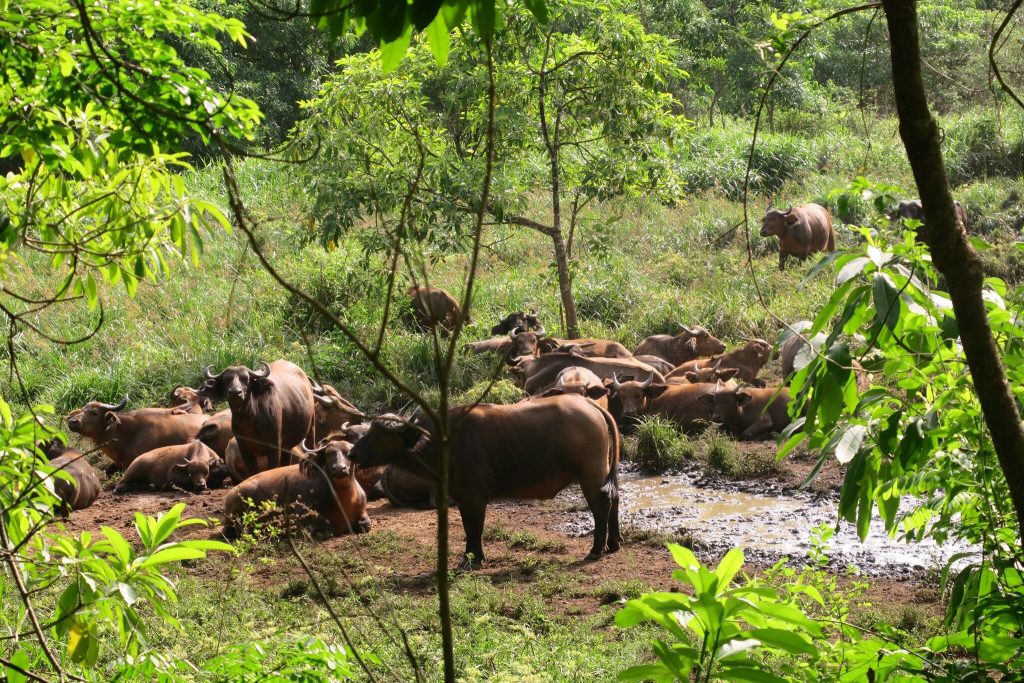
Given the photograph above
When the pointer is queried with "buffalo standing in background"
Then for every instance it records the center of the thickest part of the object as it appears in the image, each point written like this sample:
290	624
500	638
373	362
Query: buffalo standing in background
433	307
802	230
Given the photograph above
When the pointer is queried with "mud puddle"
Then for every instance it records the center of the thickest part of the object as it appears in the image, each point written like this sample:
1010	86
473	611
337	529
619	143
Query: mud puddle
768	526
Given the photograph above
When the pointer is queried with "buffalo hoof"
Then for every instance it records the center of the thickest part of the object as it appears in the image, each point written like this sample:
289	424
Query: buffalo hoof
593	556
361	527
613	547
468	565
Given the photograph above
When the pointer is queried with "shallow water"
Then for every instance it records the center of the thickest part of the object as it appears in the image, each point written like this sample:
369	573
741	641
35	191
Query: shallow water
768	526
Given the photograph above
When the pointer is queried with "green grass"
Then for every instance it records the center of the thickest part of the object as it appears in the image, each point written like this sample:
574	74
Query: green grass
658	446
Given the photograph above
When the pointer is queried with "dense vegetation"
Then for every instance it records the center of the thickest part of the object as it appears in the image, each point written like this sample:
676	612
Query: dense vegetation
621	225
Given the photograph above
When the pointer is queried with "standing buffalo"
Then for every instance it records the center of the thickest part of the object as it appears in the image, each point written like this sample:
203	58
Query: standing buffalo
193	466
84	488
532	449
802	230
322	485
271	410
689	344
123	436
433	307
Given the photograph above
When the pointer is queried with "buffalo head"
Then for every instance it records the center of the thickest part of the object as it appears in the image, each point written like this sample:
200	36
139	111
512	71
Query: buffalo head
329	457
197	472
527	343
776	222
700	342
526	321
910	209
236	383
725	404
95	418
184	398
628	400
710	374
391	440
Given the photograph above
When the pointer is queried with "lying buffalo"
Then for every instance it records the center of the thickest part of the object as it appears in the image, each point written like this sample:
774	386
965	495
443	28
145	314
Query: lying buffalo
188	400
749	414
216	432
321	489
84	487
532	449
192	467
271	410
523	321
331	411
124	435
582	382
746	360
802	230
689	344
538	374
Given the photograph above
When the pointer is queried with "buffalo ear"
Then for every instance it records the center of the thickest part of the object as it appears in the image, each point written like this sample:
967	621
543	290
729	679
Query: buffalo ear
111	419
691	377
707	400
597	392
727	374
180	467
547	345
691	345
743	398
792	219
410	436
656	390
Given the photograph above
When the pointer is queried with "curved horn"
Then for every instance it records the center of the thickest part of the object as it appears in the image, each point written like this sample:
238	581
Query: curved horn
515	330
317	389
323	400
210	375
684	328
344	427
118	407
616	385
717	365
650	379
306	449
788	211
540	330
263	372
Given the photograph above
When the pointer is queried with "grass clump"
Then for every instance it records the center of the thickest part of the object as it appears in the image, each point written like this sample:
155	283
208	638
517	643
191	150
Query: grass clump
721	453
522	540
659	446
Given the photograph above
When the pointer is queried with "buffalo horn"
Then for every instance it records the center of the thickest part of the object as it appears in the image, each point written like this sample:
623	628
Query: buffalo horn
540	331
650	379
717	365
515	331
324	400
616	385
209	374
120	406
788	211
685	329
306	449
317	389
263	372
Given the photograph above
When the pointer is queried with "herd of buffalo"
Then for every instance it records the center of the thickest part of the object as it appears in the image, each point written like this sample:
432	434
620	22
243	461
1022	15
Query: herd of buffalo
288	439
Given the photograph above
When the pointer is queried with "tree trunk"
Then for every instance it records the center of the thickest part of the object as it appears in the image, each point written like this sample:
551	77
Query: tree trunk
951	251
572	330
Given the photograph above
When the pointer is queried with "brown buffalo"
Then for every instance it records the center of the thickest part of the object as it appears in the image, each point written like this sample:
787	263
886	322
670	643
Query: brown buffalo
272	410
85	487
802	230
681	404
912	209
405	489
501	346
332	410
656	362
791	350
321	485
216	432
530	343
188	400
124	435
529	450
629	400
193	467
433	307
538	374
749	414
520	320
747	360
596	348
689	344
706	375
582	382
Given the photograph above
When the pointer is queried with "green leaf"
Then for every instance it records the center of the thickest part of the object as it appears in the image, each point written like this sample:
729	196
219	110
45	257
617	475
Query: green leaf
749	673
482	16
439	39
788	641
391	53
20	660
849	444
539	9
728	567
887	303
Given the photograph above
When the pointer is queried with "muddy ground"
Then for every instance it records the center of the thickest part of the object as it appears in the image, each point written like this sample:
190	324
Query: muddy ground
521	536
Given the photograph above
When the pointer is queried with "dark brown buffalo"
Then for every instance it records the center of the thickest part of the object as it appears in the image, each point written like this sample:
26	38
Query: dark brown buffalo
597	348
656	362
706	375
747	360
689	344
192	467
501	346
539	374
520	320
271	410
331	411
802	230
530	343
681	404
322	485
433	307
124	435
749	414
405	489
532	449
912	209
85	487
629	400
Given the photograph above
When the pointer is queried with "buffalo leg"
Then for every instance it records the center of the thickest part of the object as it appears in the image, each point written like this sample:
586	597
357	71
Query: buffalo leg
782	260
473	515
614	537
759	430
600	503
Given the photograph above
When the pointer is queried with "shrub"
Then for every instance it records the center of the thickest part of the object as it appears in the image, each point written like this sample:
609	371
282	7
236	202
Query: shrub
720	452
660	447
